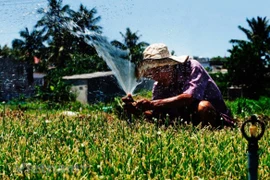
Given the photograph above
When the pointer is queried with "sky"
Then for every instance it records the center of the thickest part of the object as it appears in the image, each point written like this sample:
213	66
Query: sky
194	27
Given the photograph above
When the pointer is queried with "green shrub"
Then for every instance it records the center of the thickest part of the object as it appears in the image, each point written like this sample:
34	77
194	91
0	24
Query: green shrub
243	107
222	82
56	89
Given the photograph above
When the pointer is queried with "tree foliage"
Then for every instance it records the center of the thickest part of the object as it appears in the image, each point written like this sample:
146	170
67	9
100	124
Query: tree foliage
132	44
57	47
6	51
61	52
249	58
29	46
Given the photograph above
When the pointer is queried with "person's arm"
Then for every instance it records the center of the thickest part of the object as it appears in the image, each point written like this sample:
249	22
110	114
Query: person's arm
179	101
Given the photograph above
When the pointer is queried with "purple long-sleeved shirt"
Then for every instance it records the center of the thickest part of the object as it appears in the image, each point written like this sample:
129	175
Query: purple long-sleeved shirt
192	79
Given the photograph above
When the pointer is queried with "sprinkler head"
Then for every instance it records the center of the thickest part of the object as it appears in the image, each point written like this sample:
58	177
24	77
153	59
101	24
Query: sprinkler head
255	135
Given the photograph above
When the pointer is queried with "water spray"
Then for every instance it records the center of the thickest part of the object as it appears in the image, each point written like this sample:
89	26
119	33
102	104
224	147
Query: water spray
118	60
256	131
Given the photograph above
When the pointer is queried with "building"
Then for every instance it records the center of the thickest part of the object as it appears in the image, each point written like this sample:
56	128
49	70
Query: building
205	62
99	86
39	79
94	87
15	79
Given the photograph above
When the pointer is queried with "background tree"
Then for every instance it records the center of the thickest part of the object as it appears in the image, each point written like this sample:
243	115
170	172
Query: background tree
86	19
5	51
85	55
132	44
258	35
56	35
68	53
28	47
248	59
65	49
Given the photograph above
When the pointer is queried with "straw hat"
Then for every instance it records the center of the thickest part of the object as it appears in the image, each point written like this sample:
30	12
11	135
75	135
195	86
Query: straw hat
158	55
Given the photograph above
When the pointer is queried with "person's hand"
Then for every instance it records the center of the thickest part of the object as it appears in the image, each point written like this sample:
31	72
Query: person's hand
144	105
128	99
129	104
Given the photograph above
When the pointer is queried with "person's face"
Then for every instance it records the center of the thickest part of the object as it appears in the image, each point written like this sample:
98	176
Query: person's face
163	75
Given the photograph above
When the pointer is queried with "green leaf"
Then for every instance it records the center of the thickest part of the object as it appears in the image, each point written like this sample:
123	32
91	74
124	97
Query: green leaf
52	88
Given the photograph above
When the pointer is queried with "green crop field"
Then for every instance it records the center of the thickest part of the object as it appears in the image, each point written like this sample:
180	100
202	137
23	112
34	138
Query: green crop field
38	142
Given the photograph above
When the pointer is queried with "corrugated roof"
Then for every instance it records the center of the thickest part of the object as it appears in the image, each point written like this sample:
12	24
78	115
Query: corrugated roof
90	75
39	75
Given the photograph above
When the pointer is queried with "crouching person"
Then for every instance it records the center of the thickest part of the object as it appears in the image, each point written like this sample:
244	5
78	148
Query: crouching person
183	90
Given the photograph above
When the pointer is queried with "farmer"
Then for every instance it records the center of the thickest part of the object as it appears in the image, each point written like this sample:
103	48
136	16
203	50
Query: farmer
183	90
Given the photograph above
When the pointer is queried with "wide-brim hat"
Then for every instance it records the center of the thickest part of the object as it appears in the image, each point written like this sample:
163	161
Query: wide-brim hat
157	55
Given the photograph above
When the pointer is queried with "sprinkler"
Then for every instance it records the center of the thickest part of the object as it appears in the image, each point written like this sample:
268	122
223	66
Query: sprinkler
253	137
128	102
